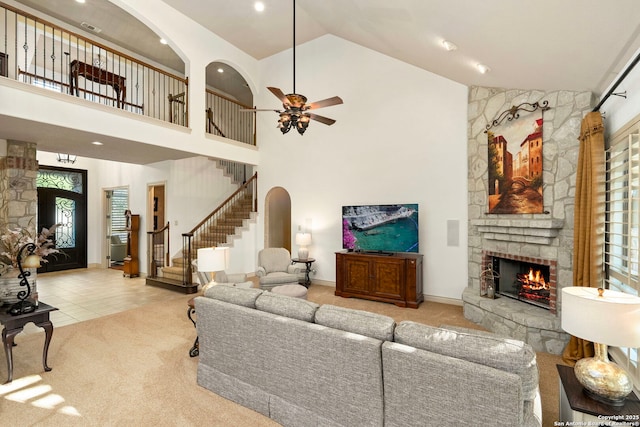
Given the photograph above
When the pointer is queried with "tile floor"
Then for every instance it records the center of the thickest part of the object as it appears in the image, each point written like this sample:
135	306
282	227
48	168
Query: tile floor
87	293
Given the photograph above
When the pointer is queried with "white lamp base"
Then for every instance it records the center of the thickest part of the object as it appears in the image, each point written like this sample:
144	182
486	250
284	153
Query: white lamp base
303	253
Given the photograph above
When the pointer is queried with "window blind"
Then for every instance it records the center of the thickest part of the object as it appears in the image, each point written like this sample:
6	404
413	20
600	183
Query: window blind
623	225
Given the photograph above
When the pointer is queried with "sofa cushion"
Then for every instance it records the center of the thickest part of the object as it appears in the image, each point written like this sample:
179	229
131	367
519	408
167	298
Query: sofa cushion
283	305
357	321
501	353
234	295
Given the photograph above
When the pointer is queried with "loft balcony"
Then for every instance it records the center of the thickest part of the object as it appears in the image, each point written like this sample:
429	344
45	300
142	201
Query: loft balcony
41	54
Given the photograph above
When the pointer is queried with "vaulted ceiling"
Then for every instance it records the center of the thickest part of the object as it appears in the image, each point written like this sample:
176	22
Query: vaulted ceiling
542	44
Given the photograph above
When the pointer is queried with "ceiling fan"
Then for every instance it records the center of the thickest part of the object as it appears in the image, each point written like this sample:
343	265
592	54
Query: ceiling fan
295	111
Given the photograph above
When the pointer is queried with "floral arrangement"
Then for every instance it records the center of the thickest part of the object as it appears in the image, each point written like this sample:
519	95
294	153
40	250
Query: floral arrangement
13	240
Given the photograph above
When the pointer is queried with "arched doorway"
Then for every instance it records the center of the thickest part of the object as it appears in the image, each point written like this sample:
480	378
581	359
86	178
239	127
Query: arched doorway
277	221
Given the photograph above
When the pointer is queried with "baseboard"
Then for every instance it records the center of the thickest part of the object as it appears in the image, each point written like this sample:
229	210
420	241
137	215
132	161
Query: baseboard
443	300
432	298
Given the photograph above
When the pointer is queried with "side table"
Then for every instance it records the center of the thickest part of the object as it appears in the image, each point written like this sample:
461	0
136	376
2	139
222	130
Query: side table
13	325
307	262
577	407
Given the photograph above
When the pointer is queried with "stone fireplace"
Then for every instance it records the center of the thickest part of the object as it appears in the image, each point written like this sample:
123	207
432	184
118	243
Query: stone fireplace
514	243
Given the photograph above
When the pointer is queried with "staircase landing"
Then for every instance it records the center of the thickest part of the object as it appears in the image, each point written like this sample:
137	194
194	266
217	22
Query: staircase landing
172	284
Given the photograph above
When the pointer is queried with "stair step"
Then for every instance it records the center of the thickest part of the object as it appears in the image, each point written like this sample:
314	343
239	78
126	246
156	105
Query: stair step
174	285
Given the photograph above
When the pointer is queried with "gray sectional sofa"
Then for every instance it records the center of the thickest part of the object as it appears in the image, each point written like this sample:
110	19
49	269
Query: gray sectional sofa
302	364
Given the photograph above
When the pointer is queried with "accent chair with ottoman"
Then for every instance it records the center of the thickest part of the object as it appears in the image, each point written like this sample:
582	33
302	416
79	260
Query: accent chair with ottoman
275	268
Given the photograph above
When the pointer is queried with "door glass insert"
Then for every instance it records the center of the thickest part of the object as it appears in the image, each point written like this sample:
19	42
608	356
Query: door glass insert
64	180
65	216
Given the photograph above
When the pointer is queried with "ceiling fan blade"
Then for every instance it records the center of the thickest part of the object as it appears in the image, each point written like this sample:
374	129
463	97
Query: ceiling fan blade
279	94
324	103
325	120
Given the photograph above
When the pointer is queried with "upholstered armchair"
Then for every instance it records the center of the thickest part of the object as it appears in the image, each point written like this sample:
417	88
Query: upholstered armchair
118	249
275	268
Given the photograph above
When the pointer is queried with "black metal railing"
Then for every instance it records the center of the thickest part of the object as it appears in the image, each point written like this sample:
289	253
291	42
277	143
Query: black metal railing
157	250
225	118
217	226
37	52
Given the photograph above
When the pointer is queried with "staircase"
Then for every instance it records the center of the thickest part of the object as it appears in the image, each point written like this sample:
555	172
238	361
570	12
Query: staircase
217	229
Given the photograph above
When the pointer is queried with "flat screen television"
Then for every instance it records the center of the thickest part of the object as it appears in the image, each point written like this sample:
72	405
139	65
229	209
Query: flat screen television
380	228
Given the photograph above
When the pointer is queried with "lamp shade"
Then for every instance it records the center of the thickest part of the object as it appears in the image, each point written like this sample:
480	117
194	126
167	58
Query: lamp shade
213	259
612	319
303	239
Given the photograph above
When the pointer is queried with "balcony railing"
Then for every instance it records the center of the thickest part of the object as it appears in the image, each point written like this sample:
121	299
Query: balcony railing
225	119
40	53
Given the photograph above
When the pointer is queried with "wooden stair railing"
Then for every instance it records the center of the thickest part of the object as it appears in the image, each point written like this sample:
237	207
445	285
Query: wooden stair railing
157	250
222	222
213	123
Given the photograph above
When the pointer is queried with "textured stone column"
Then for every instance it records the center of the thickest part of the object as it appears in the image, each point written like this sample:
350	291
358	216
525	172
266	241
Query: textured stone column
18	188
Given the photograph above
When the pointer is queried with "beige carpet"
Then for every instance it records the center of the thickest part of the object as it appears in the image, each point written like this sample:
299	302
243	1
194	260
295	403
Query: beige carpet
133	368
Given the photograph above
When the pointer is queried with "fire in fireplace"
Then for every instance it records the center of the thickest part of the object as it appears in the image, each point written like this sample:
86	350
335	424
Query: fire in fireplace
532	286
524	281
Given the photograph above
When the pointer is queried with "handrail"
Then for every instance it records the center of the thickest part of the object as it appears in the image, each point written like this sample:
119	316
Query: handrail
224	204
214	229
158	251
95	43
223	110
52	56
209	112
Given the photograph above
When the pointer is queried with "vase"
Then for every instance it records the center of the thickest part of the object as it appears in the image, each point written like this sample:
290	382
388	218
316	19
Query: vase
10	285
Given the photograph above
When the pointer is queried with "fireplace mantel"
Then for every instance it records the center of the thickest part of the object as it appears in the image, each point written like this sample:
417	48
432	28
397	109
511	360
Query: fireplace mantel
533	231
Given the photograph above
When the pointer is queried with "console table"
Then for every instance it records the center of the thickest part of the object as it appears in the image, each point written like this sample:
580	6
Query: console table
98	75
13	325
576	407
387	277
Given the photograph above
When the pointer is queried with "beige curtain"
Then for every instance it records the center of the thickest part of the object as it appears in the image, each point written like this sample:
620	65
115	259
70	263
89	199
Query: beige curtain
588	237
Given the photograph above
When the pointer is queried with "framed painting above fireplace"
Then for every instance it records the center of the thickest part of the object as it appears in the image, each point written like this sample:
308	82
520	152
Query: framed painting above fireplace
515	162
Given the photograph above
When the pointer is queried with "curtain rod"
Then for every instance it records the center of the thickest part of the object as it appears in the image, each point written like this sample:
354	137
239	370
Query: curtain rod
620	79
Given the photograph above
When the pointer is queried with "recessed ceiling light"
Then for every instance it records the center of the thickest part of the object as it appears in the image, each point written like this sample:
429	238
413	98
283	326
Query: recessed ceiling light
483	68
163	41
221	70
80	1
258	6
97	143
449	45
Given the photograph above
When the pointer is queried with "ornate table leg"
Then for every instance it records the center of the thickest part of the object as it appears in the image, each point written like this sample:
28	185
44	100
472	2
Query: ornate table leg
48	331
7	340
195	350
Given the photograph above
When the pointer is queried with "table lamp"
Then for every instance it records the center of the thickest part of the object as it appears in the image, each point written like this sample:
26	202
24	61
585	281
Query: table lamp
303	240
212	260
605	317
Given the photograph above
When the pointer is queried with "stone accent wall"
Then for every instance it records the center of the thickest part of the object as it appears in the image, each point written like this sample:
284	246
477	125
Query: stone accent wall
548	235
18	190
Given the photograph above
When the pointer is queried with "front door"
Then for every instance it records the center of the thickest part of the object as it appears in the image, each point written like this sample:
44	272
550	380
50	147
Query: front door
62	200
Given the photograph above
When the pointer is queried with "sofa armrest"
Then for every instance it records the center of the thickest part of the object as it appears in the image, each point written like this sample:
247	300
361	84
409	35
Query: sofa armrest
293	269
261	272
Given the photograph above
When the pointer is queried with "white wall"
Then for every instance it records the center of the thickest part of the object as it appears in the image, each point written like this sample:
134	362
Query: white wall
194	187
400	137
